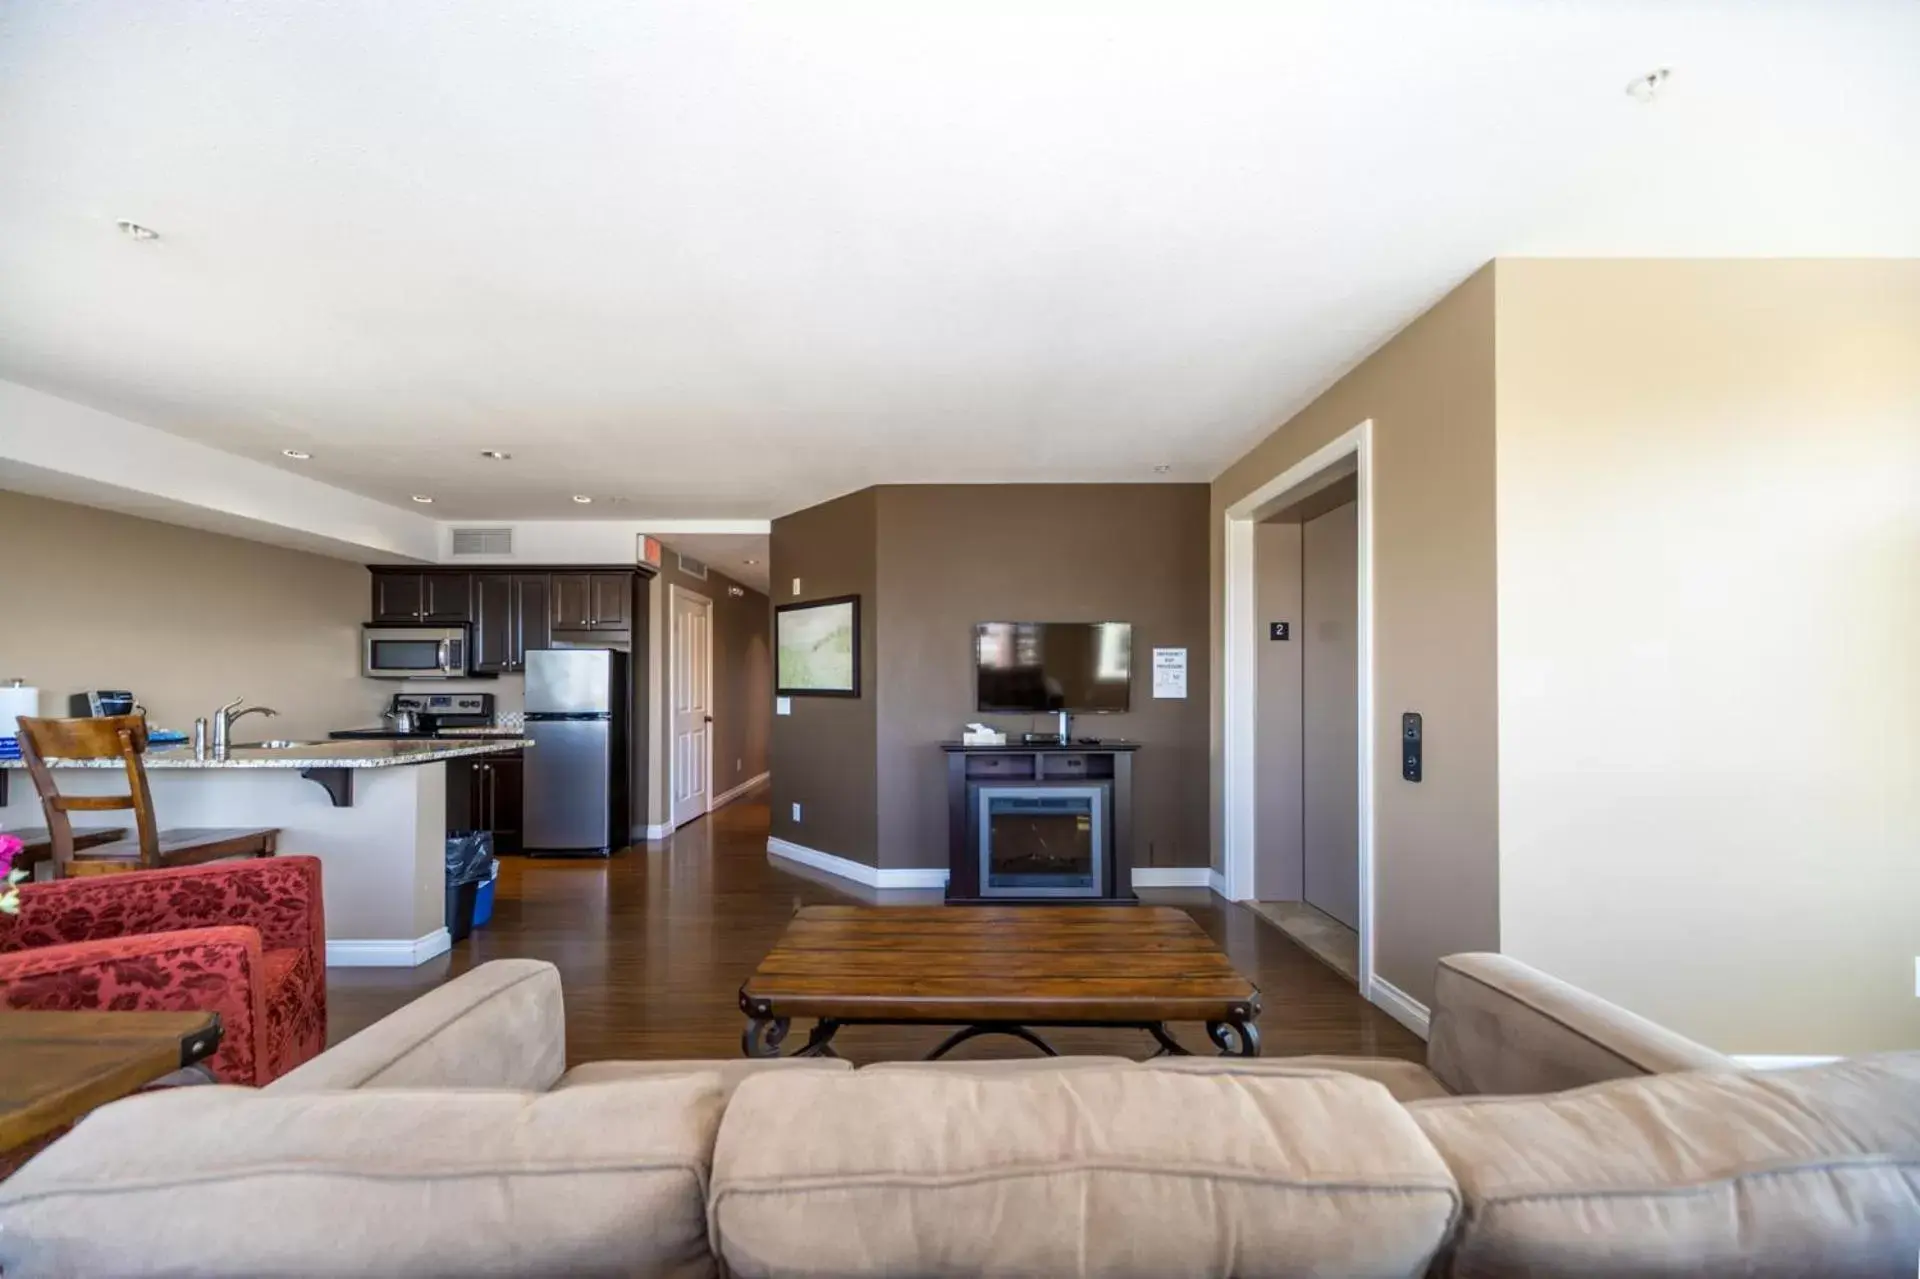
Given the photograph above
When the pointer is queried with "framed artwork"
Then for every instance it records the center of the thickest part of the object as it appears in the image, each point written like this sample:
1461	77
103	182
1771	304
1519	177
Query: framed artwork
816	648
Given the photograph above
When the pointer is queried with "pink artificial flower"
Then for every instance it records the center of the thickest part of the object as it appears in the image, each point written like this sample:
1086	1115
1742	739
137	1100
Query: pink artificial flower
10	846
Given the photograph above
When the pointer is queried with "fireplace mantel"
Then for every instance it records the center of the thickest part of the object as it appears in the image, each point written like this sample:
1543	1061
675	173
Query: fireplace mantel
1103	767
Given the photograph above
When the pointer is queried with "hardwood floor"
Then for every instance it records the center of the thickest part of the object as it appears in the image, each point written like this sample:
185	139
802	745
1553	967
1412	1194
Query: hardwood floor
653	944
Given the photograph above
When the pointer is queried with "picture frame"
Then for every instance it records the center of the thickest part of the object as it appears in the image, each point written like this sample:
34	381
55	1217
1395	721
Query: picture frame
816	648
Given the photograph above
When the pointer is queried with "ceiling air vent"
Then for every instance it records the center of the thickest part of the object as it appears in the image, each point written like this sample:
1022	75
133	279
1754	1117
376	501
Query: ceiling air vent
483	541
690	566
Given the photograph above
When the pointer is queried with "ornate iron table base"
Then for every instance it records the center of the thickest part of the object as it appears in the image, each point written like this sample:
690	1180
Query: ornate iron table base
765	1033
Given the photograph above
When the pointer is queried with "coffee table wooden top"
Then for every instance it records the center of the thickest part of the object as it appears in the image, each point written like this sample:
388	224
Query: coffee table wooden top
56	1066
1029	964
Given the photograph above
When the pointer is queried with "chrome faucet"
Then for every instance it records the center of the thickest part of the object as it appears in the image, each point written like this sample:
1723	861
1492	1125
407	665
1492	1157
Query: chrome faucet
223	723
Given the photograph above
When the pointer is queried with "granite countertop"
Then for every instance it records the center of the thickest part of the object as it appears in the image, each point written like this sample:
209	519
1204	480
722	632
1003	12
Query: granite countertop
349	754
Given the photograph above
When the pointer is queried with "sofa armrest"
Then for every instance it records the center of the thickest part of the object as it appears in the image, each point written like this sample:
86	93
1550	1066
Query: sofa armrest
1502	1027
195	970
500	1026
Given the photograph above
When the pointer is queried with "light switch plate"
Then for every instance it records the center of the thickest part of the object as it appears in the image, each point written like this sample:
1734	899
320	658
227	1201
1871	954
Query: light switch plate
796	586
783	706
796	812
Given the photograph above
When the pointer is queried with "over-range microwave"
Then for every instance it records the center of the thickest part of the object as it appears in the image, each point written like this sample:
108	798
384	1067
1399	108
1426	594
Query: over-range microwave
414	652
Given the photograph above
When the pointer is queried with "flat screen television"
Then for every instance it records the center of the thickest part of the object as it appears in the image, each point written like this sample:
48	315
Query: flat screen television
1026	668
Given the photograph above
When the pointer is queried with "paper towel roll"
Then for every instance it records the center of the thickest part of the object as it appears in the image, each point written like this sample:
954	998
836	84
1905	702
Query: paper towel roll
15	702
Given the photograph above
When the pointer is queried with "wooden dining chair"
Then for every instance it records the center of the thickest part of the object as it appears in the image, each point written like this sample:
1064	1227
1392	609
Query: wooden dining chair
122	738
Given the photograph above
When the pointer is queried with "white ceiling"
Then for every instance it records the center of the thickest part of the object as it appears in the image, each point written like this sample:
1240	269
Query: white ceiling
727	259
741	556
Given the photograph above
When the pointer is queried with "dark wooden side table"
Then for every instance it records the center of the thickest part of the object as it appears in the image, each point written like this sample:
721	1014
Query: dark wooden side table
56	1066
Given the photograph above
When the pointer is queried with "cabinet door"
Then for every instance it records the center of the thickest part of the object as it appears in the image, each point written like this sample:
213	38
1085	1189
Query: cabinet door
505	776
447	597
611	593
494	623
572	601
532	616
397	597
466	789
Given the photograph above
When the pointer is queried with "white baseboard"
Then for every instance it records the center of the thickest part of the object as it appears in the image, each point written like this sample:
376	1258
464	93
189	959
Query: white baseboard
1172	877
1400	1006
1217	881
727	796
858	872
1764	1061
644	834
388	953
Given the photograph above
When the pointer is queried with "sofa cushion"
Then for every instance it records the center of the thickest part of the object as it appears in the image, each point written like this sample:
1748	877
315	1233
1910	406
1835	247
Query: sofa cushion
1803	1172
731	1070
1100	1171
229	1181
1406	1080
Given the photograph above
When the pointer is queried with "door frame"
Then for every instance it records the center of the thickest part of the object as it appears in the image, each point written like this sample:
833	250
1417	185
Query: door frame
674	592
1238	684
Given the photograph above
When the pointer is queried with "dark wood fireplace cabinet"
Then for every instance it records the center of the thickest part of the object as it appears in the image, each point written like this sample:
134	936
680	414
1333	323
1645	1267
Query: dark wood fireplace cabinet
1029	823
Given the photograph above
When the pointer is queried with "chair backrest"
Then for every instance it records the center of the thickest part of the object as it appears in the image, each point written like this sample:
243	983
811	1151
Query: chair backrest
121	737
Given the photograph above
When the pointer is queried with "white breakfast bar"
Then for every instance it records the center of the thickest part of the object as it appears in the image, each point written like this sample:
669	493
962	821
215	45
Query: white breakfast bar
373	812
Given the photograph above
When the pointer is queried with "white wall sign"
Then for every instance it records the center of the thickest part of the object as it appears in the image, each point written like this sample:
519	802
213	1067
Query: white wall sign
1169	672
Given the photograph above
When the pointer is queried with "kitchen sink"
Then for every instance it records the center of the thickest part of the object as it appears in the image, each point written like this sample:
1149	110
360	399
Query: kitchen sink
274	744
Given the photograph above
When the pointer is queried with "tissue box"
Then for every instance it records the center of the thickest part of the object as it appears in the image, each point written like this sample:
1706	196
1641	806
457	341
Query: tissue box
988	738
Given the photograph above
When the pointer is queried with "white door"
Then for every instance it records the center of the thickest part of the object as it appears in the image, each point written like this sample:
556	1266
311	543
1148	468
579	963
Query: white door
691	656
1330	701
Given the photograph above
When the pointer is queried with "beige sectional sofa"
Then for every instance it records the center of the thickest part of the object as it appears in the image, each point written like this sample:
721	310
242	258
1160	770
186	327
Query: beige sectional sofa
1548	1133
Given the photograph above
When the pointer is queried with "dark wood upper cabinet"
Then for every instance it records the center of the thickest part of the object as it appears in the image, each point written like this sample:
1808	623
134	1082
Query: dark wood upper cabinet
397	597
532	615
422	597
572	601
511	613
493	623
510	616
612	600
446	597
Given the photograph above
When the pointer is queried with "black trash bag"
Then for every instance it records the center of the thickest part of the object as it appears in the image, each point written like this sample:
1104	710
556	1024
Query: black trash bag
469	865
469	856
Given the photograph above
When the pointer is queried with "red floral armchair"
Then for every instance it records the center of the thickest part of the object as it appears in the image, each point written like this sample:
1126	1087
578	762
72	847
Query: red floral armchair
245	939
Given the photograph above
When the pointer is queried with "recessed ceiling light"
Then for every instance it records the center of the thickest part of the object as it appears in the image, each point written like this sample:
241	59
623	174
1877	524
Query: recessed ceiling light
749	563
298	455
495	455
135	230
581	498
1645	88
423	499
1162	469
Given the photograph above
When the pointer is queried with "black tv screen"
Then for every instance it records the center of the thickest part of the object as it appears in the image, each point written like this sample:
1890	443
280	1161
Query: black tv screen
1025	668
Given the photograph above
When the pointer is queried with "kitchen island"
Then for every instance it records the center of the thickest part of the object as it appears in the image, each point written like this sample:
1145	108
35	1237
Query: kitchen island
373	812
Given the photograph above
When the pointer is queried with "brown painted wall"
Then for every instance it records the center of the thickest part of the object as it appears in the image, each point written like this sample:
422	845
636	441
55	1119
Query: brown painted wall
1430	394
823	753
742	675
187	620
954	555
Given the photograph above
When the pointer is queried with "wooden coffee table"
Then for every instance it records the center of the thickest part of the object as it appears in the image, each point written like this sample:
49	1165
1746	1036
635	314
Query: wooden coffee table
999	970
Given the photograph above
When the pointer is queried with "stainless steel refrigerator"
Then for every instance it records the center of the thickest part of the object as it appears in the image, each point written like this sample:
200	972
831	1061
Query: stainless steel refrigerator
576	761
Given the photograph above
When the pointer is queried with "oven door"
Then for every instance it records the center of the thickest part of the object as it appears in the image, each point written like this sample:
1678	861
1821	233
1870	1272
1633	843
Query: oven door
395	652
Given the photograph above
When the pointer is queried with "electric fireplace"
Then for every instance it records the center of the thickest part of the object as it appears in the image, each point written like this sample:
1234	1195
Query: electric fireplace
1042	841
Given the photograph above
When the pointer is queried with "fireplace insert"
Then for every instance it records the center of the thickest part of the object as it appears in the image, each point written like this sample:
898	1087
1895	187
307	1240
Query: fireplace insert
1042	841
